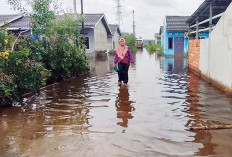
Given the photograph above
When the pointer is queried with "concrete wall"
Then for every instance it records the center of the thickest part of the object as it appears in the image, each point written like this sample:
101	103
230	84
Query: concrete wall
216	52
89	32
203	60
113	42
100	37
110	43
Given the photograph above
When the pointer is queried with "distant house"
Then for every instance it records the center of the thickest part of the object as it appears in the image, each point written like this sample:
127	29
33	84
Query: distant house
16	23
97	30
175	43
158	38
113	42
161	32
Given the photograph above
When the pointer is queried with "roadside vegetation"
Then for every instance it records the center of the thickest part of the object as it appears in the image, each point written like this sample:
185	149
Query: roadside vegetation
131	42
154	48
26	64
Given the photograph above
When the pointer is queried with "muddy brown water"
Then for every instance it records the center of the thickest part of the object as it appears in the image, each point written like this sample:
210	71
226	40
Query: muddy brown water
93	116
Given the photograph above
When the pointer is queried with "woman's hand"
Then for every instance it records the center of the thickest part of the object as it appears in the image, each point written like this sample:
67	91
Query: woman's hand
132	65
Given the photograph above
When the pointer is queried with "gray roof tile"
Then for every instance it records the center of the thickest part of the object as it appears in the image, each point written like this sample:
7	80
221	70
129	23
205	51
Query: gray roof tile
114	28
157	35
21	23
90	20
177	23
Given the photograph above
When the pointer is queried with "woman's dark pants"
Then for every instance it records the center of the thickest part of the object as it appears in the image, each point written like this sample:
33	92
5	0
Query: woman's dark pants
123	72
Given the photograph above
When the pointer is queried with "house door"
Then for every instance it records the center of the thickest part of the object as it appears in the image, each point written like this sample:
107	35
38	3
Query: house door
179	46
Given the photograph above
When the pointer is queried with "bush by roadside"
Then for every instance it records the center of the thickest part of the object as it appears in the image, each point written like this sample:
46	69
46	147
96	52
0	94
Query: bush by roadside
60	53
154	48
19	72
26	65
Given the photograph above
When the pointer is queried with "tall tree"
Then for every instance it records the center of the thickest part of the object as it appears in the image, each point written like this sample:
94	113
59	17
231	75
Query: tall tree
41	16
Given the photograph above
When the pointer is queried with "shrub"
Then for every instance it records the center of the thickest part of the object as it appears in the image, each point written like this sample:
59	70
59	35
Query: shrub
131	42
24	75
7	90
61	55
154	48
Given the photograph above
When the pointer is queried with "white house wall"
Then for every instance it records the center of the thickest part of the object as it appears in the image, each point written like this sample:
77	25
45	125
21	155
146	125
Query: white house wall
216	59
89	32
100	37
110	43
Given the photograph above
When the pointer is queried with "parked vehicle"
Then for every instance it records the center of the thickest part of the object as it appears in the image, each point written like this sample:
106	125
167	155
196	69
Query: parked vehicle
139	43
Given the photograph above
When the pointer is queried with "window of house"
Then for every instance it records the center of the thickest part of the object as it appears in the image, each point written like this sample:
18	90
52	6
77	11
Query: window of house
170	43
87	42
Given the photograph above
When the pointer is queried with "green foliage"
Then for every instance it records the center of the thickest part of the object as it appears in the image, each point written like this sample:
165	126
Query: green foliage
27	72
131	42
21	75
41	17
154	48
60	54
5	40
7	88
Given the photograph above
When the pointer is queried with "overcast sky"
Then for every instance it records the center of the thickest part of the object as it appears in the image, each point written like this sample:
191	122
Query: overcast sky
149	14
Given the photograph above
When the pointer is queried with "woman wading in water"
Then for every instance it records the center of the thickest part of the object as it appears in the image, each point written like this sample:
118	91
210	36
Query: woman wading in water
123	57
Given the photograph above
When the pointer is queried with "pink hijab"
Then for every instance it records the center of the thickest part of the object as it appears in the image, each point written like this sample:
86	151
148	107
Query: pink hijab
121	50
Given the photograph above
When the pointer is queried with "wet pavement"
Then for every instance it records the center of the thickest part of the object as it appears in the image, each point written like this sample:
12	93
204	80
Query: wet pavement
93	116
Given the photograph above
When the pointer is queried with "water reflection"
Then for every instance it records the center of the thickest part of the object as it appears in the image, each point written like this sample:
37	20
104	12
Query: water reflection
208	106
175	64
124	106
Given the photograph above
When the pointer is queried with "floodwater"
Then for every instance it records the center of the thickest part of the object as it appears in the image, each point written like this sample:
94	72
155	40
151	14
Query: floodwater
93	116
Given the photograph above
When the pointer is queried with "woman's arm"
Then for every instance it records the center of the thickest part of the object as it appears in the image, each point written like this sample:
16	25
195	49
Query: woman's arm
131	57
116	59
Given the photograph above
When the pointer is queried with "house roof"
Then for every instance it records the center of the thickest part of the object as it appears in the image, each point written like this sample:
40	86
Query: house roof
23	22
157	35
203	12
177	23
18	21
114	29
4	19
161	29
90	20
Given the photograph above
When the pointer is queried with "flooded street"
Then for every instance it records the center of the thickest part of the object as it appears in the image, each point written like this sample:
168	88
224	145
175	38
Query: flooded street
93	116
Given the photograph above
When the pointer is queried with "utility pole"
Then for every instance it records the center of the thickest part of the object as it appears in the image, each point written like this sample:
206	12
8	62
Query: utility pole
118	14
134	22
75	9
83	28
